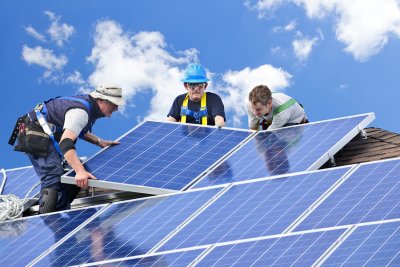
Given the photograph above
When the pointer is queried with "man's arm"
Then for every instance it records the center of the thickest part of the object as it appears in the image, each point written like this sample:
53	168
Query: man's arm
82	176
171	119
253	120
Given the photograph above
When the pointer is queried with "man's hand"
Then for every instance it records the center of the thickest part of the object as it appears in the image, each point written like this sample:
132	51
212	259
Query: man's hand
219	121
104	143
81	178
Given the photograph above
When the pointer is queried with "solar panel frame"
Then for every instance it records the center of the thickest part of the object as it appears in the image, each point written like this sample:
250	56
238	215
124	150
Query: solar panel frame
149	189
126	260
369	117
337	233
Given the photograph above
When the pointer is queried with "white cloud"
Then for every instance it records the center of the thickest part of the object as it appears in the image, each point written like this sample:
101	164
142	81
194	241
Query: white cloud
364	26
44	58
59	32
287	28
35	34
303	46
74	78
138	63
237	84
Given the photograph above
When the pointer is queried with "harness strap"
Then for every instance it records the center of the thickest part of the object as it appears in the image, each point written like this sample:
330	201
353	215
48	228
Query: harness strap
197	115
46	128
284	106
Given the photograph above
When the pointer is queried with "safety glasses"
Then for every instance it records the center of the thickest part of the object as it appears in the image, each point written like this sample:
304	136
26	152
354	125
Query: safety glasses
196	85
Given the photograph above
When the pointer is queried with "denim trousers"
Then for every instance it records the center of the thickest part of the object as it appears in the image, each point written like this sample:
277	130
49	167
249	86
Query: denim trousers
50	169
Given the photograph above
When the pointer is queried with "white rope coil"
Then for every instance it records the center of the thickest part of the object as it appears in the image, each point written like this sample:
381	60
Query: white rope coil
11	207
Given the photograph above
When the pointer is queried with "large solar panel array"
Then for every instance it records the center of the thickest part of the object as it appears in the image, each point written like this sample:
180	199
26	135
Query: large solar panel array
158	157
348	215
20	181
287	150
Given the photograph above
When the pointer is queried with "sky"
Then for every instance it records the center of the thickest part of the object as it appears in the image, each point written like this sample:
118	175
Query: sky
336	57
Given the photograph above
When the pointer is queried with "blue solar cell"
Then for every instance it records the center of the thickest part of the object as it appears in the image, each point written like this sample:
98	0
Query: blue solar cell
19	181
169	259
372	245
255	209
128	228
285	150
23	240
294	250
164	155
371	193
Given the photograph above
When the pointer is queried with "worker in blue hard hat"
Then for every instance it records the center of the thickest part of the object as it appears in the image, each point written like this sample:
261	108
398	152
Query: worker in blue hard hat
197	106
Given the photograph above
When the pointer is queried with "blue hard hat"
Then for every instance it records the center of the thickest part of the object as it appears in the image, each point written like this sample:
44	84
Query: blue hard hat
195	73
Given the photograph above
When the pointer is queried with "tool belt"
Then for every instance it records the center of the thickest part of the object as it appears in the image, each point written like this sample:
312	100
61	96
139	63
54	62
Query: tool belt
30	137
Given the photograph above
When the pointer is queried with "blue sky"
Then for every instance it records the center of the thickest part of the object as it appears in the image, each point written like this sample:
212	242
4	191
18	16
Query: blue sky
338	57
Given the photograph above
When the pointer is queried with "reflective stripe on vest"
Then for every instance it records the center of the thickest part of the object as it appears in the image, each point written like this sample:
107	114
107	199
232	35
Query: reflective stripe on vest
202	113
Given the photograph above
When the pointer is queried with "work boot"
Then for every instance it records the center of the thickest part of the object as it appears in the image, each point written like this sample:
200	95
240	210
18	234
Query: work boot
48	201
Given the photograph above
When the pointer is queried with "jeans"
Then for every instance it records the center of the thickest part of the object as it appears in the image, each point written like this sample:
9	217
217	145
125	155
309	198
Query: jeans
49	169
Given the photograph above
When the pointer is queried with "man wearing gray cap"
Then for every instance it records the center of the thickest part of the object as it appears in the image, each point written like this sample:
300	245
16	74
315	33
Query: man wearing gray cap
49	133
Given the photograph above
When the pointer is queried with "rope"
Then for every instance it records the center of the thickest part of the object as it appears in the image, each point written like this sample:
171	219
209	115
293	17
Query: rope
12	207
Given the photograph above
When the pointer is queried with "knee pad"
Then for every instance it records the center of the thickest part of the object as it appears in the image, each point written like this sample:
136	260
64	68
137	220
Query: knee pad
48	200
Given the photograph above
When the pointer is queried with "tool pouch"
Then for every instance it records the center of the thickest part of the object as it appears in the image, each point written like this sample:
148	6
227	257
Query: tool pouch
32	139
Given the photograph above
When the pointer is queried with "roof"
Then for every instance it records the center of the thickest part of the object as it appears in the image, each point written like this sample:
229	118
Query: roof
376	145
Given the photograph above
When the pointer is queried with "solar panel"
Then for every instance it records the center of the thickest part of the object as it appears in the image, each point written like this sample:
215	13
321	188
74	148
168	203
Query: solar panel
158	157
372	245
254	209
129	228
181	258
19	181
371	193
25	239
292	250
287	150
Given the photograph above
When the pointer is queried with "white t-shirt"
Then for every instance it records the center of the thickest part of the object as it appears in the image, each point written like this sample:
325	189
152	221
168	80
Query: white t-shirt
293	114
75	120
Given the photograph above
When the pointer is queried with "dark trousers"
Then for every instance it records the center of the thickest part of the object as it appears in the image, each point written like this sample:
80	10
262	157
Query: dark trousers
49	169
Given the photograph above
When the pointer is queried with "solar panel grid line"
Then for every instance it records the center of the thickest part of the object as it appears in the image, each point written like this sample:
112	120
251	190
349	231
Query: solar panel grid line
360	186
372	244
377	203
191	218
376	251
346	139
217	163
334	246
52	248
110	261
322	198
